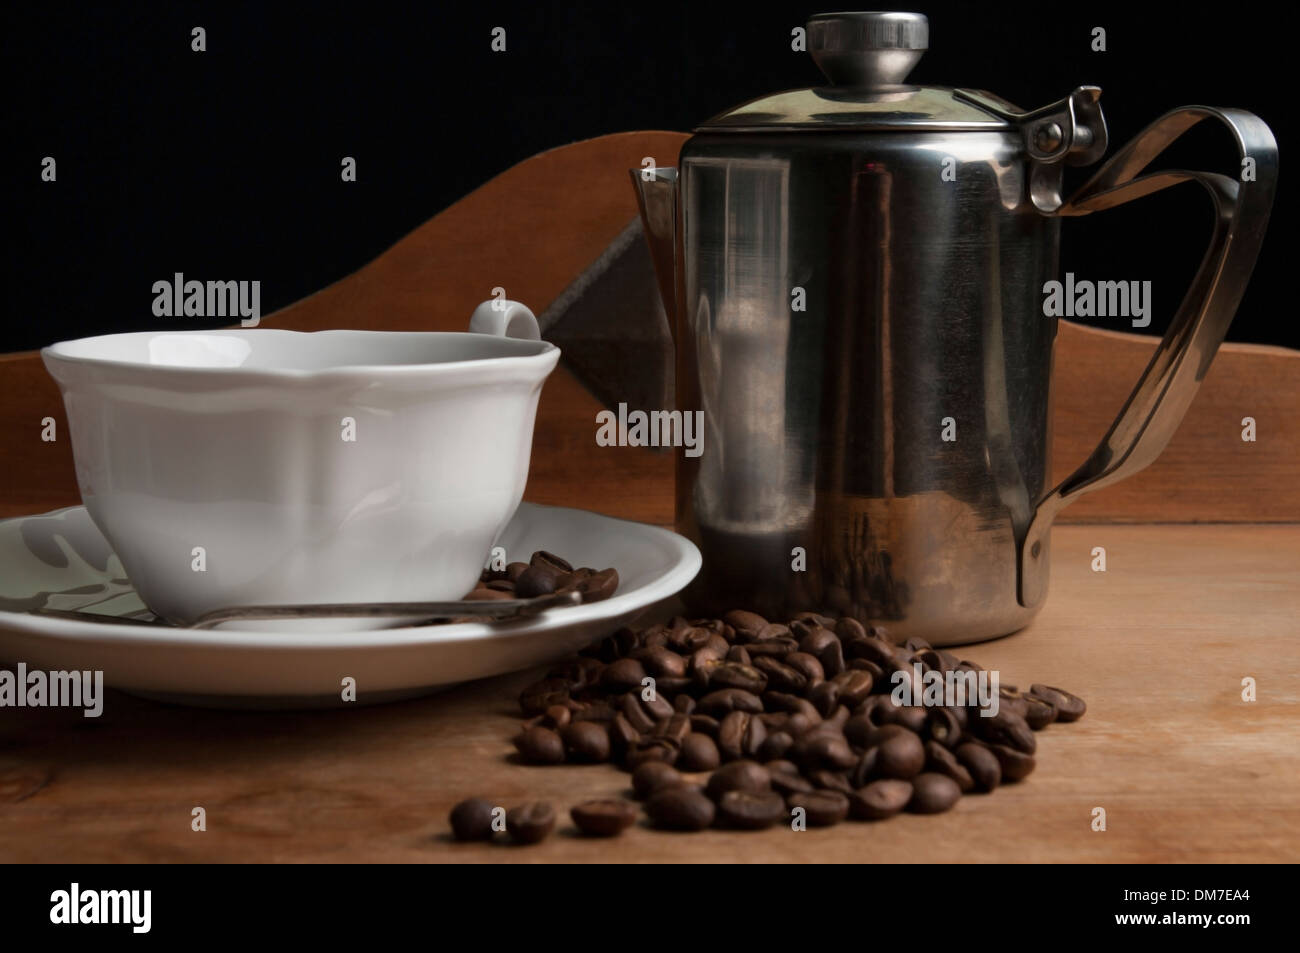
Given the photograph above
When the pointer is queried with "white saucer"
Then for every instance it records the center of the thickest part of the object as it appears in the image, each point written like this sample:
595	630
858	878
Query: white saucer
60	560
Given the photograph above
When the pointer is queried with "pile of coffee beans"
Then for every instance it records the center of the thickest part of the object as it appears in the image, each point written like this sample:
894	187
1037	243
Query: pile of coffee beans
543	574
742	723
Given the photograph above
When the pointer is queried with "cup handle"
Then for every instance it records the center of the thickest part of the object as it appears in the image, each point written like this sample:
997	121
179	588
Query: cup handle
504	318
1162	395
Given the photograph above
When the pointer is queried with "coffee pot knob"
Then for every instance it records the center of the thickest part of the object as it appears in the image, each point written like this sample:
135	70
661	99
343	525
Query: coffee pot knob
867	49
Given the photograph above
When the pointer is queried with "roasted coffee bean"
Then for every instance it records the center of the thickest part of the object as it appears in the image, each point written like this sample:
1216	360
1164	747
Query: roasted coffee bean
1068	707
623	675
814	639
530	822
1016	765
651	749
659	661
864	771
854	686
674	728
699	752
536	581
780	676
983	765
776	745
822	808
671	686
684	704
740	735
539	696
941	725
515	570
598	711
862	665
1011	701
830	781
726	700
823	750
750	810
622	736
501	585
911	717
557	716
605	817
901	756
876	709
738	776
1039	713
942	761
631	708
599	585
539	745
488	595
738	653
772	648
785	701
655	705
880	799
705	725
551	561
861	733
586	742
472	819
933	793
825	697
915	644
1006	728
850	628
653	775
742	621
806	665
736	675
832	658
680	808
791	782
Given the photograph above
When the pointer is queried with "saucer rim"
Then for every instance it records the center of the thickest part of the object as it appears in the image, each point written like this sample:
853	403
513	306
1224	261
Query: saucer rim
685	567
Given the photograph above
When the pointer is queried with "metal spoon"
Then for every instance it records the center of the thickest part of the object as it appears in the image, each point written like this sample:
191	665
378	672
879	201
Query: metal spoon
423	612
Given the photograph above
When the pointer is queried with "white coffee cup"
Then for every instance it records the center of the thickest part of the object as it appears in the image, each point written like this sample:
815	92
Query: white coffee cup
268	467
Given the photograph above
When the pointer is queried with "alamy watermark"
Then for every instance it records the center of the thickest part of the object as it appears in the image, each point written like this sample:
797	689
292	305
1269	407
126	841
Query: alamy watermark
74	905
954	688
655	428
55	689
208	299
1098	299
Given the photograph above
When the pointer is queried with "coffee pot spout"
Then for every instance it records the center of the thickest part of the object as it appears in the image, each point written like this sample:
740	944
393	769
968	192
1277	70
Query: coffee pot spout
656	195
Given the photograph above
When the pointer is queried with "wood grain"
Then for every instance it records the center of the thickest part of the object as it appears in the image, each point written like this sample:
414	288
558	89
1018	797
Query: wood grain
535	227
1158	645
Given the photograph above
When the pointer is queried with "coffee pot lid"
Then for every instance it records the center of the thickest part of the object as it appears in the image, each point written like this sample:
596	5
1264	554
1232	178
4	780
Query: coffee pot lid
866	56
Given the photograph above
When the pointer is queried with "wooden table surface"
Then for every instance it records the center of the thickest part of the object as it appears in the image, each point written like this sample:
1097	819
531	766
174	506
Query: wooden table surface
1158	645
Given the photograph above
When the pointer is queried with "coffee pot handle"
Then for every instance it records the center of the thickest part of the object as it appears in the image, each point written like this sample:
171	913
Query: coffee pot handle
1155	408
505	319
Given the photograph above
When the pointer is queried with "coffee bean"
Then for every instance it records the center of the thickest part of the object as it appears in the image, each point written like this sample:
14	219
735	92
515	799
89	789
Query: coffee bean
864	771
659	661
743	621
605	817
1016	765
1039	713
539	745
539	696
1068	707
550	561
820	749
623	675
776	745
501	585
1006	728
680	808
942	761
705	725
1011	701
699	752
735	675
777	648
880	799
750	810
536	581
941	725
530	822
740	735
727	700
781	676
586	742
598	711
790	782
785	701
738	653
557	716
911	717
983	765
855	687
901	756
651	749
933	793
599	586
472	819
488	595
653	775
916	644
829	781
850	628
738	776
622	736
822	808
515	570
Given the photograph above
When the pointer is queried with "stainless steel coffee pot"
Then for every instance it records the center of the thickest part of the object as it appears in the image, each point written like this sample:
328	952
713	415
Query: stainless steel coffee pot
855	277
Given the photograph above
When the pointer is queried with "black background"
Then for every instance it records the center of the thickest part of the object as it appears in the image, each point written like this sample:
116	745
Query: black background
225	164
